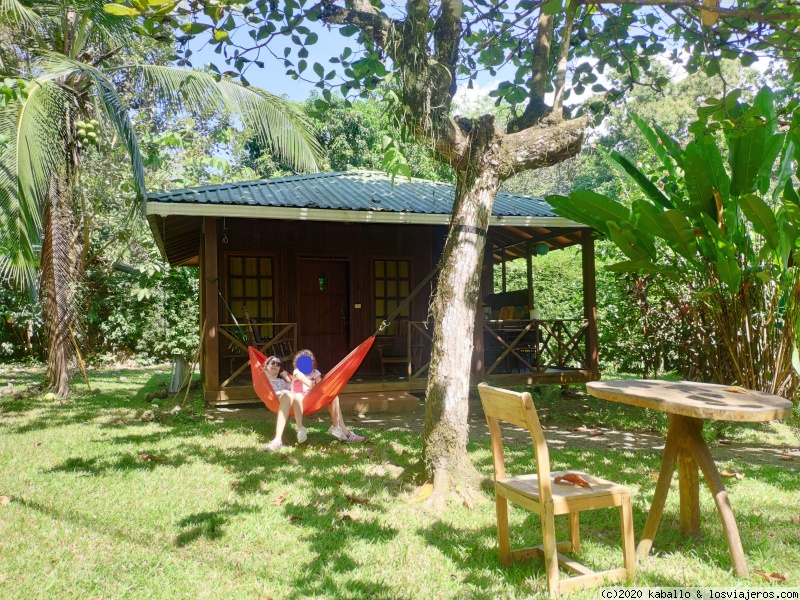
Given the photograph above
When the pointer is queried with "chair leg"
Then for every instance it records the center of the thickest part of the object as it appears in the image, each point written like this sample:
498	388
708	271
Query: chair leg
626	526
503	540
550	550
575	532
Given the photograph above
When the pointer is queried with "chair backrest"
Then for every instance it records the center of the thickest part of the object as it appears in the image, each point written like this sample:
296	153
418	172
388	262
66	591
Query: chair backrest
516	408
256	330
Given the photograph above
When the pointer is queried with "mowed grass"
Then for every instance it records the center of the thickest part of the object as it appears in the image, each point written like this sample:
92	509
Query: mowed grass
107	504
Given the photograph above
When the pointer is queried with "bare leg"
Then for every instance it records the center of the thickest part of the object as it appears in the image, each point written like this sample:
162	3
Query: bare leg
336	415
297	405
283	415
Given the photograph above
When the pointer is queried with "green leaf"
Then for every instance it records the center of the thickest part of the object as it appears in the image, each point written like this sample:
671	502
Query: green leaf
678	232
627	242
631	172
763	219
599	208
655	143
220	35
729	272
773	147
698	178
319	70
672	145
747	143
119	10
552	7
194	28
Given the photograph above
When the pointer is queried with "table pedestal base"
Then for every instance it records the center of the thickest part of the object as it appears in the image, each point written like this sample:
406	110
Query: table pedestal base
686	447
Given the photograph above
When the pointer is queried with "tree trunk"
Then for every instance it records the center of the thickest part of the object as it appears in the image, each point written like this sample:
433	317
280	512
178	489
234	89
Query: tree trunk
57	283
446	429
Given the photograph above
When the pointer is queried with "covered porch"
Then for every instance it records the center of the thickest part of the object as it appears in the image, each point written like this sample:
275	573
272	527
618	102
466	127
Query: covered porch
319	261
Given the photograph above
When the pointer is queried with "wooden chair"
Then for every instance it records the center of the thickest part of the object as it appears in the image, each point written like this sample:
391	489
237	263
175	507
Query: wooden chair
397	349
540	494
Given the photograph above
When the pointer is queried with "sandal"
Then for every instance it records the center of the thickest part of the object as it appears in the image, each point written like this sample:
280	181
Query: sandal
274	446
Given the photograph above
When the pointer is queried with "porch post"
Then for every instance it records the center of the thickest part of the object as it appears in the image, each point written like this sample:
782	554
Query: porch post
503	255
211	304
529	260
590	300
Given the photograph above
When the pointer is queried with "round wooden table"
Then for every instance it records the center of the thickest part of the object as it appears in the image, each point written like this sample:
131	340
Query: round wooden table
687	404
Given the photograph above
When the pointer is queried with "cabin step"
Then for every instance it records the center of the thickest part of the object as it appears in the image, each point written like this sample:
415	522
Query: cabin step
376	402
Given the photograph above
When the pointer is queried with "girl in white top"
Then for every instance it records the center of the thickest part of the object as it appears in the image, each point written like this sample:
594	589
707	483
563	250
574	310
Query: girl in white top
302	384
281	382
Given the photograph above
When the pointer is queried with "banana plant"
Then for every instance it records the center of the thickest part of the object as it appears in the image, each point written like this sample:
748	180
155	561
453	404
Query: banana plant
722	226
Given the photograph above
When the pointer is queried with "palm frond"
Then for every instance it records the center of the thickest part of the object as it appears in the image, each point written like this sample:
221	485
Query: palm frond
278	124
20	15
56	66
33	152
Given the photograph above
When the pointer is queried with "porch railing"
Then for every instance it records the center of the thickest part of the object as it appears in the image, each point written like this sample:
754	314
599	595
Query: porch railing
522	346
270	338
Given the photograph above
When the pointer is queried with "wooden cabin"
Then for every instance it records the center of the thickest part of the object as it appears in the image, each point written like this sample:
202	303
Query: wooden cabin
320	261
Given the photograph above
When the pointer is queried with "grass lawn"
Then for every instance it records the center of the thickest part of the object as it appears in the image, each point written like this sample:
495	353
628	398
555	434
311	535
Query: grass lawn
106	504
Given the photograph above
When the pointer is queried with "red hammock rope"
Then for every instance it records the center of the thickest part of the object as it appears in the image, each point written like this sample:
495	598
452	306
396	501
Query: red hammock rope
321	394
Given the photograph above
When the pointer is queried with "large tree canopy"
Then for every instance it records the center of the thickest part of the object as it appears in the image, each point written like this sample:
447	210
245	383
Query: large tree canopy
544	54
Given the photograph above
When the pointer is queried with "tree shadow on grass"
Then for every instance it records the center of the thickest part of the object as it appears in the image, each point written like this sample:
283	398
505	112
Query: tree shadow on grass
208	524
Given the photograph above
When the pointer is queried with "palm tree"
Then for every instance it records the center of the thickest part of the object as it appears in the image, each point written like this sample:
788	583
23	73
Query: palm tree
62	53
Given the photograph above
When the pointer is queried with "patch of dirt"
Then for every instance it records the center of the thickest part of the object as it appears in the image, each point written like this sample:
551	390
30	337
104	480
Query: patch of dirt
559	435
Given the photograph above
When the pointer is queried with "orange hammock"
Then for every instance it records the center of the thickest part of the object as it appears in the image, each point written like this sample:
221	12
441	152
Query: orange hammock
321	394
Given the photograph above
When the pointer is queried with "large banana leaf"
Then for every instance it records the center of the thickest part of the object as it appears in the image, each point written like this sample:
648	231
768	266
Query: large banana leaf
627	242
704	172
655	143
773	148
678	233
628	170
763	219
748	142
589	208
671	145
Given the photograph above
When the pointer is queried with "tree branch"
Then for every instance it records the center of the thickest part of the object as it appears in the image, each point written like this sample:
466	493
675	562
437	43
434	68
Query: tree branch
542	145
540	69
757	16
563	59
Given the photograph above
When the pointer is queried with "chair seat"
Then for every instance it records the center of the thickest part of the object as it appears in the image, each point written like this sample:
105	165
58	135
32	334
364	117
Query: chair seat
566	497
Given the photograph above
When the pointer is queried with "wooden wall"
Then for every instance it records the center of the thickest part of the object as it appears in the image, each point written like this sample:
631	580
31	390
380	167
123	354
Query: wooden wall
358	244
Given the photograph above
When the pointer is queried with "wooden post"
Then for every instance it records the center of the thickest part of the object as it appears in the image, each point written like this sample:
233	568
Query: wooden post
503	264
529	259
478	346
211	303
590	300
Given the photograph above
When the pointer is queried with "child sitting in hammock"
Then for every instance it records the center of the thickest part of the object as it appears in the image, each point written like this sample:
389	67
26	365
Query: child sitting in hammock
302	384
280	382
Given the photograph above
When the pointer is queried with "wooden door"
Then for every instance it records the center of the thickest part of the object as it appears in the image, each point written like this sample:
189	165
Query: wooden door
323	318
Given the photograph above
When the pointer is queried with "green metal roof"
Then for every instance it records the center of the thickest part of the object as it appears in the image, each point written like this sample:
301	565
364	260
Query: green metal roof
347	191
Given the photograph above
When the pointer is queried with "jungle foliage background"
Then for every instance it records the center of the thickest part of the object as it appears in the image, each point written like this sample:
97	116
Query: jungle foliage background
135	307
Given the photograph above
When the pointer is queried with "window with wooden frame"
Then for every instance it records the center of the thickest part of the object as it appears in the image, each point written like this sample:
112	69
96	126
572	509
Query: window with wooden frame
392	286
251	283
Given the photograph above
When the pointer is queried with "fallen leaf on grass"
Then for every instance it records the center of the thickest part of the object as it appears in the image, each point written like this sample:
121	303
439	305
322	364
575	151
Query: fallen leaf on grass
468	501
729	473
356	499
294	518
5	500
795	518
423	492
757	513
771	576
278	500
725	442
653	474
371	451
119	422
151	458
574	479
349	517
229	469
787	457
37	443
595	432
